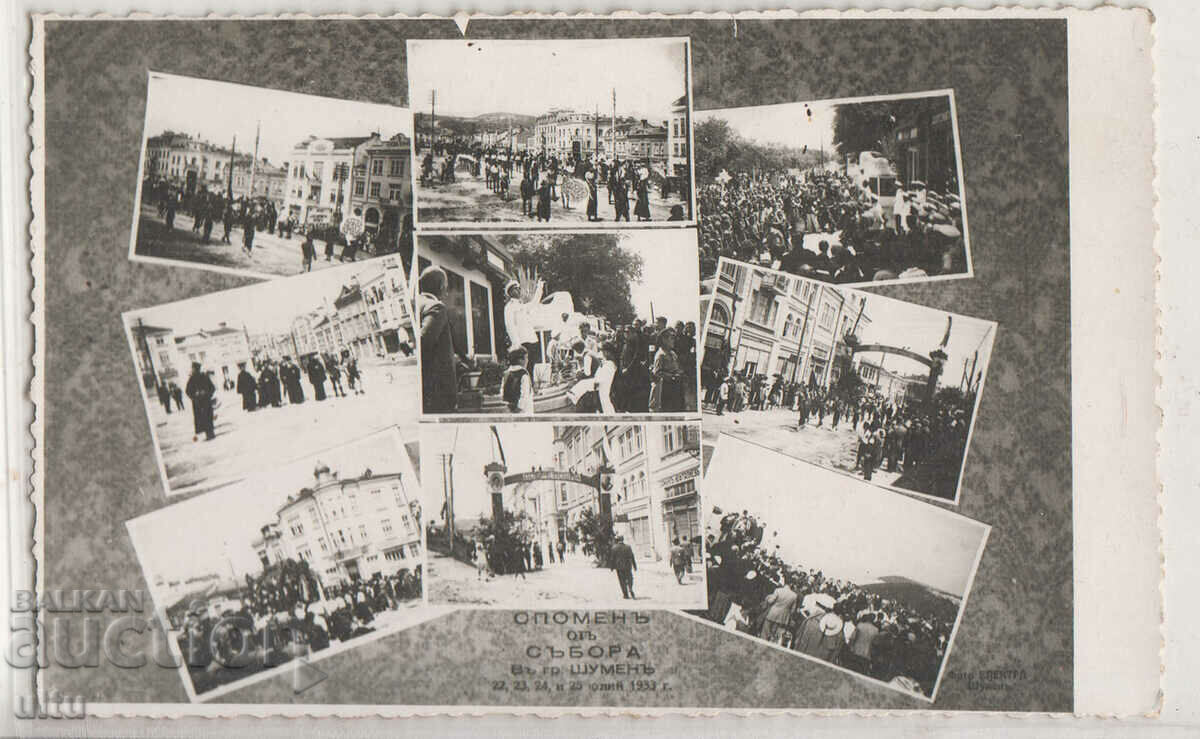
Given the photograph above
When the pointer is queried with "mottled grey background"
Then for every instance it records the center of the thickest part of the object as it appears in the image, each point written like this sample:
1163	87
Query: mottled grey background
1009	78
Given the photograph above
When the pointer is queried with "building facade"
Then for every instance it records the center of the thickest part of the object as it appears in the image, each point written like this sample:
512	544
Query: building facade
348	528
385	297
192	163
382	187
925	146
678	140
654	498
318	186
219	351
266	181
766	323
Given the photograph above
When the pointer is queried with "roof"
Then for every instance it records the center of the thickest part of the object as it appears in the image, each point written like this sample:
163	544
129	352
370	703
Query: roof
147	329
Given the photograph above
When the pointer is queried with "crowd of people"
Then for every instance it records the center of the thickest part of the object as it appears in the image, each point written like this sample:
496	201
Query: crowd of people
267	384
900	437
639	367
282	615
544	181
259	214
753	590
763	219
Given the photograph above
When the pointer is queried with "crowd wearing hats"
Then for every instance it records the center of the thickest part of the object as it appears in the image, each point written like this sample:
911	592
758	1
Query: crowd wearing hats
545	182
282	614
634	368
753	590
763	218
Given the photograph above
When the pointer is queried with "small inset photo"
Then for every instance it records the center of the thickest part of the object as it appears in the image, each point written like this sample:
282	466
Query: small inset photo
269	183
594	323
535	515
552	133
873	387
829	569
242	380
854	191
304	561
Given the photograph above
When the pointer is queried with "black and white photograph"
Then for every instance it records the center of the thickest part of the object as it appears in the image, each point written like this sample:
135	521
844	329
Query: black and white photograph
552	134
301	562
852	381
853	191
569	324
267	183
833	570
536	515
248	378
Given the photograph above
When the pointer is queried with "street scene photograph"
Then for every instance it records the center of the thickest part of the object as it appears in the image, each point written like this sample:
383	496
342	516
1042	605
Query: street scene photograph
552	134
266	182
593	323
301	562
535	515
832	570
241	380
855	382
855	191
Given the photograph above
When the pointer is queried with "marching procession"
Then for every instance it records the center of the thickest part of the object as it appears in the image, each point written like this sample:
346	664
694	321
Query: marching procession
550	187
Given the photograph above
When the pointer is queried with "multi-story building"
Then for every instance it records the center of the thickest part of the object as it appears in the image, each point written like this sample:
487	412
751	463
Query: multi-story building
925	145
895	386
318	186
770	323
265	181
347	528
157	359
382	187
562	133
218	350
385	294
677	139
654	497
643	141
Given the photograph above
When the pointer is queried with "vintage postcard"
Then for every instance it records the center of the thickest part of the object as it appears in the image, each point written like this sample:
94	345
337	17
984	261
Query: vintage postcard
552	133
834	570
301	562
567	324
853	191
267	183
536	515
848	380
239	380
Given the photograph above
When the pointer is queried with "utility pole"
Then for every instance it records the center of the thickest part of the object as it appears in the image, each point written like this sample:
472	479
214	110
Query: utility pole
613	130
232	154
254	161
432	118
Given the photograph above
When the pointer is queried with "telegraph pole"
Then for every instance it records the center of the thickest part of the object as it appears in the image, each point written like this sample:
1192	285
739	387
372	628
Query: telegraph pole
613	130
432	118
254	161
232	154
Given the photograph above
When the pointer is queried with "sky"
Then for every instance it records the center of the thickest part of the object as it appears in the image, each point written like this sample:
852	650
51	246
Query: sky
216	111
525	446
268	306
788	124
532	77
916	327
215	530
838	524
670	274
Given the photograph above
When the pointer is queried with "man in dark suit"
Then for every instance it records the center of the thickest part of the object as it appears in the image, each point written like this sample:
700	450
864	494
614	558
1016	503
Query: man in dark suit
201	390
622	560
439	380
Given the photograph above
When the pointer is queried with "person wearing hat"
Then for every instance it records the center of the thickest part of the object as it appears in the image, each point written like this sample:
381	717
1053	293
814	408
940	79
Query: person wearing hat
439	379
201	390
544	196
620	196
780	605
246	387
622	560
593	198
666	390
517	323
642	209
821	636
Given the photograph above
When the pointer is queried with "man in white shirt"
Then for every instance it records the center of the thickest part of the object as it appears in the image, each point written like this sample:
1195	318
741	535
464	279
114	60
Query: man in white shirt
519	325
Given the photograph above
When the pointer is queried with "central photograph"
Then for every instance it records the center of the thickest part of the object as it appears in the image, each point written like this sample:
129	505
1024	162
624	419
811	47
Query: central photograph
566	324
552	133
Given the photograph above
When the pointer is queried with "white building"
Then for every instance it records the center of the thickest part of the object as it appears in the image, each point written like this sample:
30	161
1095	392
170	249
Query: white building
319	186
218	350
348	528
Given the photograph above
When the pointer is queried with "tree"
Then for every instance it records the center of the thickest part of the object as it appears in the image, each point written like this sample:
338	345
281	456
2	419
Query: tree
507	540
595	269
596	532
719	147
859	127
